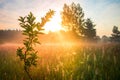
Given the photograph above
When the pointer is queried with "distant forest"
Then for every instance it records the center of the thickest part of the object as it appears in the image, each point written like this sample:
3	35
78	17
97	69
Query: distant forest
10	36
15	36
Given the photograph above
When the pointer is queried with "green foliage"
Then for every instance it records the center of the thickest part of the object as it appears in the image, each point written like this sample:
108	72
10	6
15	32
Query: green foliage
31	29
89	31
115	30
73	21
72	18
46	18
116	35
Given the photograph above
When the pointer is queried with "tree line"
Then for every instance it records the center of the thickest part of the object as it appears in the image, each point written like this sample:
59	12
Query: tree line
73	20
75	24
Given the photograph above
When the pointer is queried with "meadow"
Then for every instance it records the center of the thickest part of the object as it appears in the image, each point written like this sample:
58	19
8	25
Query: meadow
64	61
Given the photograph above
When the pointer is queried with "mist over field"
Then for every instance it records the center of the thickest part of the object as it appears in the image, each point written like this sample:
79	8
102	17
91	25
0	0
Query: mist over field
61	56
73	40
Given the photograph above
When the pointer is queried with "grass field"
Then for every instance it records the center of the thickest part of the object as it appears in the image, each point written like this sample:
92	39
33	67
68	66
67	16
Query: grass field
67	61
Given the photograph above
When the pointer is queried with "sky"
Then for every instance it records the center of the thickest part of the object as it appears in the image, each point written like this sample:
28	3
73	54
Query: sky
104	13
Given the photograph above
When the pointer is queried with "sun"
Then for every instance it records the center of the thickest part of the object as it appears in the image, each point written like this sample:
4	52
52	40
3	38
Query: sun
54	24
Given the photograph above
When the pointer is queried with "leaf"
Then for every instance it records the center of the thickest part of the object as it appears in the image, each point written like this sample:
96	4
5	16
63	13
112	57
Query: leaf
20	53
21	19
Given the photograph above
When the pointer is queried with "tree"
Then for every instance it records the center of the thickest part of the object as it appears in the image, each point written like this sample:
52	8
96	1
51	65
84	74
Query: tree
97	38
28	54
89	31
115	35
72	18
105	39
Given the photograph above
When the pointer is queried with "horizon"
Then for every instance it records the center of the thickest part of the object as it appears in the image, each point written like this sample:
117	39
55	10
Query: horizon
104	13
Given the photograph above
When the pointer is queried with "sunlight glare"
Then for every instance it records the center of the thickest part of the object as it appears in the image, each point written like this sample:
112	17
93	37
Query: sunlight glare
54	24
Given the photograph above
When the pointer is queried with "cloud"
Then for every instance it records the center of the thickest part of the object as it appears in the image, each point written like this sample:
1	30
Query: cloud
10	11
104	13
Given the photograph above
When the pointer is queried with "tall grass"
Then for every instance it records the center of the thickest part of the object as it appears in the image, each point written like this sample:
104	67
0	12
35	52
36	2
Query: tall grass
65	62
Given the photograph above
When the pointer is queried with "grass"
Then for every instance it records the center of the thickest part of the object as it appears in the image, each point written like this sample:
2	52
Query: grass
64	62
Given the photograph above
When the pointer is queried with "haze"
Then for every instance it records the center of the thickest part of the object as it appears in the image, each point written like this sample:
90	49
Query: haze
104	13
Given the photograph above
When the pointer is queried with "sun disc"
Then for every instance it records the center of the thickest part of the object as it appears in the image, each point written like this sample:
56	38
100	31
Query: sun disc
54	24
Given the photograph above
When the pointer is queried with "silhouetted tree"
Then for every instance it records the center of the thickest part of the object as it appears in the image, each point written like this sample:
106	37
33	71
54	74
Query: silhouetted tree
89	31
105	38
97	38
72	18
115	35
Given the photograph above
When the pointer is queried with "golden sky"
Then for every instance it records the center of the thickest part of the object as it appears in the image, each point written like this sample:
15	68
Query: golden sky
104	13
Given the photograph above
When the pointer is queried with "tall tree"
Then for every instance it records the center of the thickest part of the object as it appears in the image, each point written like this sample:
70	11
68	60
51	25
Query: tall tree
115	35
73	18
89	31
